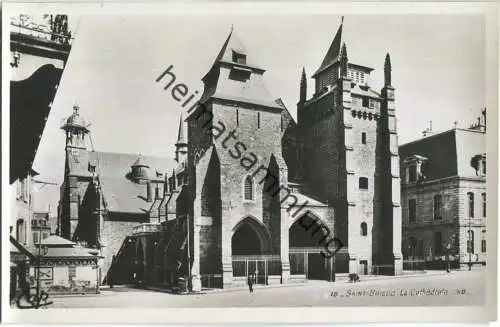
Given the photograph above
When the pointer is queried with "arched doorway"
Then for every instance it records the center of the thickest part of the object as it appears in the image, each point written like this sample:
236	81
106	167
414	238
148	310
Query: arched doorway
250	246
307	237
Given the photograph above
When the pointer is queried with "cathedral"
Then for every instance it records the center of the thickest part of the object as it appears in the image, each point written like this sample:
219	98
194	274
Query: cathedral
252	190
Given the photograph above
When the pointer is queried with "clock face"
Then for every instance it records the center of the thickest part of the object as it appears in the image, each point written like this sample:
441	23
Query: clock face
46	273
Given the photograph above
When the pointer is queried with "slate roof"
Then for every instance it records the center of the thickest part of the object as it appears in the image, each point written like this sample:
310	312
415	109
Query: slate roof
332	55
219	86
113	165
55	240
72	252
120	193
123	195
448	153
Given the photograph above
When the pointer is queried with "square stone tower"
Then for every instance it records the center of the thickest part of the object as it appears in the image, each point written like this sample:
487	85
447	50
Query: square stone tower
235	166
348	138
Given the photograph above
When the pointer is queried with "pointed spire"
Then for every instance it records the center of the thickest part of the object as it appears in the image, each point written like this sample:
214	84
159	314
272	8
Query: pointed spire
303	86
333	52
387	70
181	139
343	60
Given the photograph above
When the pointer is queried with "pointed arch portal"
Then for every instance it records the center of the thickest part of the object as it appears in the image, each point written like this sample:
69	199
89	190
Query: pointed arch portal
250	238
307	237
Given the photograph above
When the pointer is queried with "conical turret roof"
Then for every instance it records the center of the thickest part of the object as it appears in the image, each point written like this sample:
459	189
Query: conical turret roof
140	162
181	138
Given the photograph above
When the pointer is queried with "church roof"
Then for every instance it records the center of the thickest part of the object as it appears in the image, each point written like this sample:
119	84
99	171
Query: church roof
448	153
232	44
125	196
235	80
113	165
332	55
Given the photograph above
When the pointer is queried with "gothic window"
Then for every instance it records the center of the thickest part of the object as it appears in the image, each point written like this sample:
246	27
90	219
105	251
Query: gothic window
483	241
248	188
363	138
364	229
470	241
438	243
363	183
438	207
470	198
412	210
258	120
237	117
484	204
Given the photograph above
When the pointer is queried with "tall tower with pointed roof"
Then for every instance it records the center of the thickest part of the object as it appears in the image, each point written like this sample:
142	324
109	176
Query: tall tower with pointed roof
348	135
76	129
235	130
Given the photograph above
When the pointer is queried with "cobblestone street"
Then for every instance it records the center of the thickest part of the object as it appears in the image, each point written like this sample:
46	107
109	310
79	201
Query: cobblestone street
454	289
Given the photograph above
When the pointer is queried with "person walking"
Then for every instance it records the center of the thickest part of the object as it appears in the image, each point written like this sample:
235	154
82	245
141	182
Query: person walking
250	282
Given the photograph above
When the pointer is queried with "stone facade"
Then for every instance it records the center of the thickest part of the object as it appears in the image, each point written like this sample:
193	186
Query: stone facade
258	192
444	199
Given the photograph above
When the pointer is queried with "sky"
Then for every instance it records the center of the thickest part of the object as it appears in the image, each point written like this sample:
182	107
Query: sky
438	71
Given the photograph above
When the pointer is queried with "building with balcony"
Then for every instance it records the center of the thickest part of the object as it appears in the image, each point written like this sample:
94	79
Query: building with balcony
39	48
443	196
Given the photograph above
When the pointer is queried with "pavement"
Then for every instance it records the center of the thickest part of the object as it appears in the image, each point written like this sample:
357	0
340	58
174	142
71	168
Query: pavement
437	288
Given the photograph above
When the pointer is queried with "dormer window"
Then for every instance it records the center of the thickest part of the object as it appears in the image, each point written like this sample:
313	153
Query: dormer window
478	162
239	58
412	173
414	168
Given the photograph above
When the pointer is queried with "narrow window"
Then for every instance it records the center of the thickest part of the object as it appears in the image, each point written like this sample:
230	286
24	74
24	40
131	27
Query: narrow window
365	102
484	204
483	164
363	183
248	188
483	241
72	272
364	228
258	120
470	197
438	243
412	210
237	117
470	241
363	138
438	207
35	238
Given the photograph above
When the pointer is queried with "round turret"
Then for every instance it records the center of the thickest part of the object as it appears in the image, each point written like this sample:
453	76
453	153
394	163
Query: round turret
140	170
